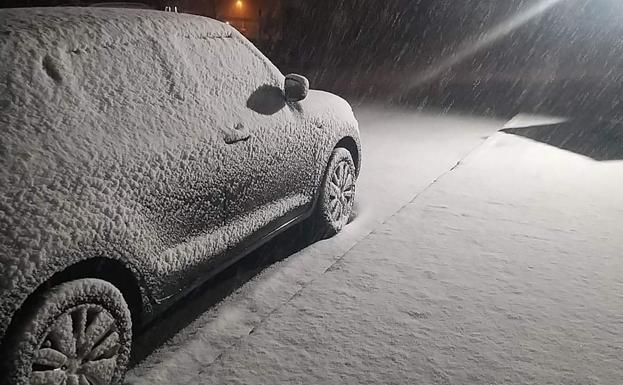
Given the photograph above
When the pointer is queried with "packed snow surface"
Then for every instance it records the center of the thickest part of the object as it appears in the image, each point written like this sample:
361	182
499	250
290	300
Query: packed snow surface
506	270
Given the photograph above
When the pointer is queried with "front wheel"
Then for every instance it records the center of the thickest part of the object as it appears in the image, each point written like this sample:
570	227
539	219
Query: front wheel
337	193
76	333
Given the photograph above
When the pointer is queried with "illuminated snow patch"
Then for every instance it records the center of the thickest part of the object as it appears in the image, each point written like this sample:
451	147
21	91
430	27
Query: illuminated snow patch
532	120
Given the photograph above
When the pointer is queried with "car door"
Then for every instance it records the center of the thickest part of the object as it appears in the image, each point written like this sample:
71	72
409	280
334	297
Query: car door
270	151
249	157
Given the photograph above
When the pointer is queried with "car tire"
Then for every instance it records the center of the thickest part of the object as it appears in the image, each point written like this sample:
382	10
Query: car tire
337	194
78	332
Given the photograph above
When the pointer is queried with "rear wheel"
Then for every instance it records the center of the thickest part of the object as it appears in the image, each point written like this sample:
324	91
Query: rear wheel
76	333
337	194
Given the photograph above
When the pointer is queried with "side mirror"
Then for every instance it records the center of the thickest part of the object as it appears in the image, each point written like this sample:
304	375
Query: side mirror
296	87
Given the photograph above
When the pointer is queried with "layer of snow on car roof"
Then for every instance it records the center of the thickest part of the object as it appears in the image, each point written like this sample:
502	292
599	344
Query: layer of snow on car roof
78	28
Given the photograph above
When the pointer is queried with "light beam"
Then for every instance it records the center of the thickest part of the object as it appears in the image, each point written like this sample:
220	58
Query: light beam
475	45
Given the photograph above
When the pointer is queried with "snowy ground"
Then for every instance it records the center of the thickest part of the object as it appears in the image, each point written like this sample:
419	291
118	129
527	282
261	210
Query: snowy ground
503	269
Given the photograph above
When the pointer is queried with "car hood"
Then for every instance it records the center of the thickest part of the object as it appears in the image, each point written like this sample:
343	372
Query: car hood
329	107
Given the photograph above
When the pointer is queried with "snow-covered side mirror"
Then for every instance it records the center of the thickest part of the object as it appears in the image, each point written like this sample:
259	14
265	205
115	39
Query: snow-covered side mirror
296	87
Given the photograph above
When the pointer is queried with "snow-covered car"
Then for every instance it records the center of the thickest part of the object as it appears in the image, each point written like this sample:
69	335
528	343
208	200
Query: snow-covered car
141	153
122	4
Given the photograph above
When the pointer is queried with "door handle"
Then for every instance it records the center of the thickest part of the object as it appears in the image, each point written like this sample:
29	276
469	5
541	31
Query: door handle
238	134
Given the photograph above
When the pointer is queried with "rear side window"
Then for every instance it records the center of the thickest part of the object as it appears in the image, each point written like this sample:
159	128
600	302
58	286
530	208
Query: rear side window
123	76
126	93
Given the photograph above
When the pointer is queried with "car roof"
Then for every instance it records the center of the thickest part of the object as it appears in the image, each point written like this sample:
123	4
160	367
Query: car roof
79	28
120	4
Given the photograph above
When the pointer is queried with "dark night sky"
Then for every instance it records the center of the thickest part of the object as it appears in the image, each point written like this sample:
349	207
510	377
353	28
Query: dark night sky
573	46
369	32
386	48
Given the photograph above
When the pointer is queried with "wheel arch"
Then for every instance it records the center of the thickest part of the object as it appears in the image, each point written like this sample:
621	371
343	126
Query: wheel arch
107	269
350	144
110	270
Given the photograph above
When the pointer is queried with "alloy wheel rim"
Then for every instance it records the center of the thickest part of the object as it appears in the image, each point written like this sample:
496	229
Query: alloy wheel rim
341	193
81	348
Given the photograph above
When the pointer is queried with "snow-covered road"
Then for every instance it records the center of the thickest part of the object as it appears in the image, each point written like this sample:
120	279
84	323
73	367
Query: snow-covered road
506	269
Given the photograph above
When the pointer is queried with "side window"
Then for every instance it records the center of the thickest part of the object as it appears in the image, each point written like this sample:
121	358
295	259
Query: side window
153	88
229	72
123	77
